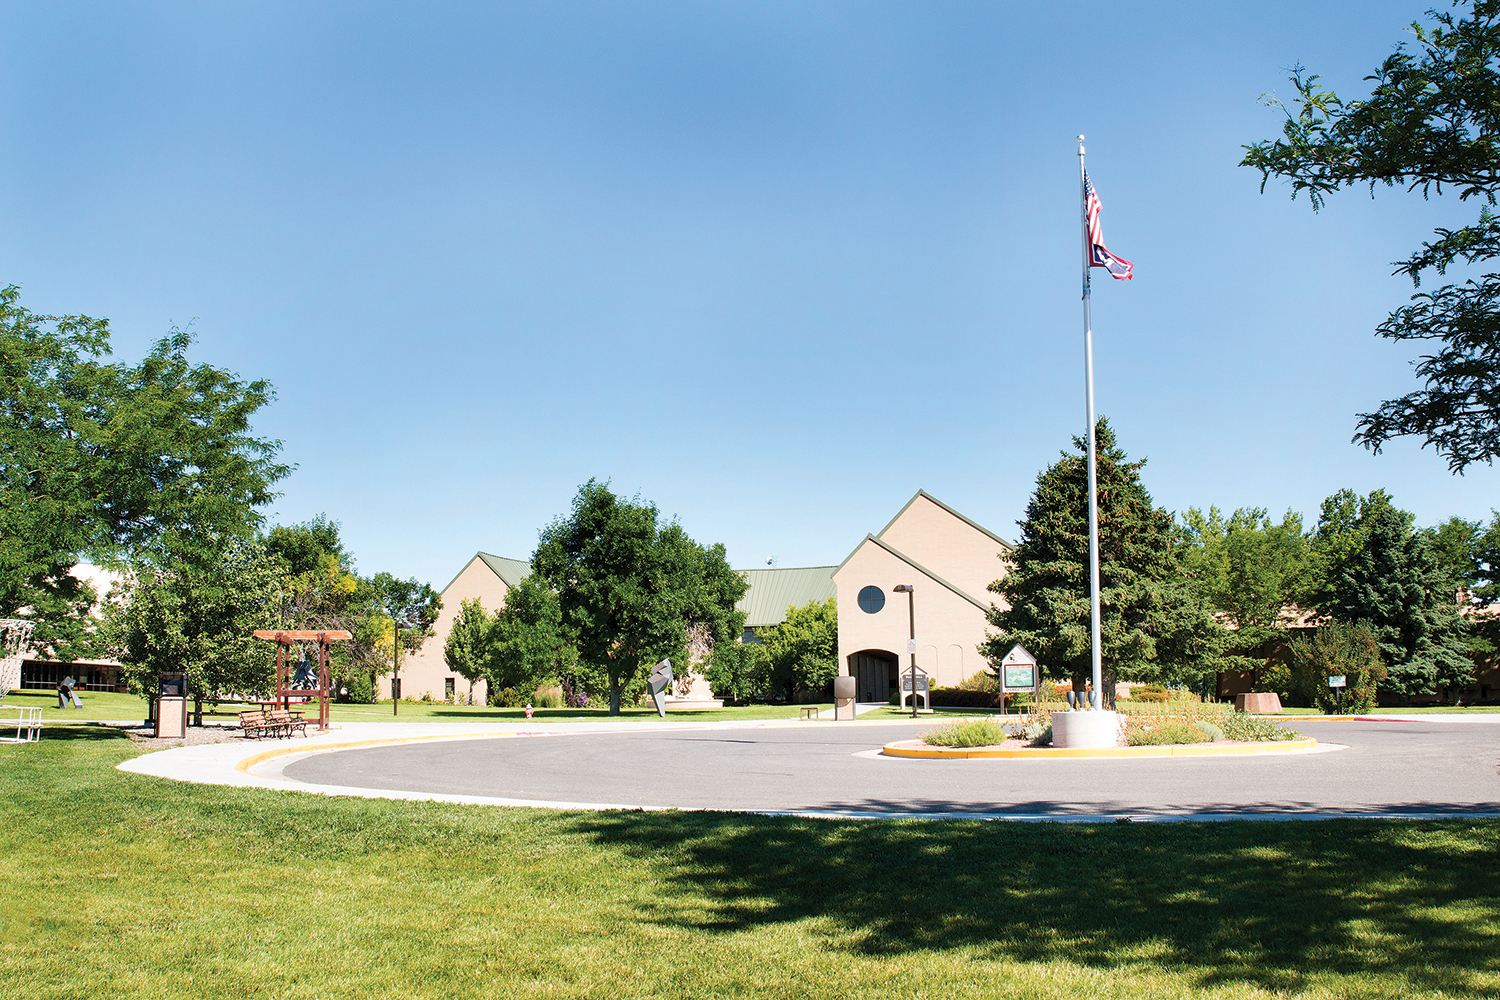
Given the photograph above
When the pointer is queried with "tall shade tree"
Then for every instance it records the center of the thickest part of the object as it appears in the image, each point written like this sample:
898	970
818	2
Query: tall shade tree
1394	582
738	671
150	464
1430	124
527	644
1486	553
1343	526
467	648
1454	544
1155	625
322	591
197	618
629	587
803	649
1249	568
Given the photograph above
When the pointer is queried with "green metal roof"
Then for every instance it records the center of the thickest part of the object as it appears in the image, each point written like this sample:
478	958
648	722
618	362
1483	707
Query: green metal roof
512	571
773	590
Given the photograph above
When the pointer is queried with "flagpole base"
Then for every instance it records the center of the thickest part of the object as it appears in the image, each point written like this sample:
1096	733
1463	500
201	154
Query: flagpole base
1086	730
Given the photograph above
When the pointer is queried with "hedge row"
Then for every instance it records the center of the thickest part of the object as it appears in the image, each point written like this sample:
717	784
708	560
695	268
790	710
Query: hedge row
965	698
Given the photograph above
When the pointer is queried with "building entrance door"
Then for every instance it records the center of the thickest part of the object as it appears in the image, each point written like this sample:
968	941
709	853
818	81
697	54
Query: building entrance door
875	672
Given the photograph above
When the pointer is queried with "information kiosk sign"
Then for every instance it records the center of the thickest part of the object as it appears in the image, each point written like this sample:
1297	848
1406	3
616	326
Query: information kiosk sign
1019	672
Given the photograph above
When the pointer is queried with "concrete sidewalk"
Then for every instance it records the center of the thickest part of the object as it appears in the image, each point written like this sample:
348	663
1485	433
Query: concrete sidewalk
259	763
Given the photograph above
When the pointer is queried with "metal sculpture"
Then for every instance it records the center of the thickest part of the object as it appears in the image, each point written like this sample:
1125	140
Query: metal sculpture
659	684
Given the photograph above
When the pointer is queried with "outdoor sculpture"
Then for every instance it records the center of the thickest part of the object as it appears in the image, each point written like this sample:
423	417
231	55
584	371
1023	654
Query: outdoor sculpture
659	684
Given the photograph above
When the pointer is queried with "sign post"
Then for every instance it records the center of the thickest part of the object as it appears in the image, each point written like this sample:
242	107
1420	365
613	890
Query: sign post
1336	681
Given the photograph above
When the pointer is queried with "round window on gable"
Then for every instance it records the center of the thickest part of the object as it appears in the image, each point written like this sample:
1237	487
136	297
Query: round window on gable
871	600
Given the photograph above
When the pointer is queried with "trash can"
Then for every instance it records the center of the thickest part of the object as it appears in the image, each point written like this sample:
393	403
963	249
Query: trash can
843	697
171	706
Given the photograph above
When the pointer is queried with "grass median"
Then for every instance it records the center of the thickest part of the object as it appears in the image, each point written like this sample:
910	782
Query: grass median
115	884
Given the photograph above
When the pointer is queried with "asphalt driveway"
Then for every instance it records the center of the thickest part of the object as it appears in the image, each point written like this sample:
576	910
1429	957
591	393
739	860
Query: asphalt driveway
1446	766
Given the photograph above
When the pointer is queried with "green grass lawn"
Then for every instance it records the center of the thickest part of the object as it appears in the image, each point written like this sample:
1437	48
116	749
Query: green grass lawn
114	885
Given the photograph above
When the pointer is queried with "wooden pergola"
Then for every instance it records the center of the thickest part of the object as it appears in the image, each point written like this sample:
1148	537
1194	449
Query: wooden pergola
284	638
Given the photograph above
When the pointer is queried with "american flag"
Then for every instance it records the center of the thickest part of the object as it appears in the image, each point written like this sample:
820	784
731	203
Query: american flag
1098	256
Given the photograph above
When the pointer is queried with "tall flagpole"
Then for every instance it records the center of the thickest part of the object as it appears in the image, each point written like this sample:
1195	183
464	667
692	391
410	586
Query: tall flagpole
1096	646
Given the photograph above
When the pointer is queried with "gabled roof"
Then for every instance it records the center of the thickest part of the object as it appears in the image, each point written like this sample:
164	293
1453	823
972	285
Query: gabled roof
923	493
977	602
773	590
510	571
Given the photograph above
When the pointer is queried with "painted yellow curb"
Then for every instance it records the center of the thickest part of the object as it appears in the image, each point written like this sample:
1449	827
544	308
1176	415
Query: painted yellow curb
260	758
915	748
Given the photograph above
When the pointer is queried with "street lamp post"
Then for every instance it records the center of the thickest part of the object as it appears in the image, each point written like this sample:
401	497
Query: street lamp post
396	670
911	647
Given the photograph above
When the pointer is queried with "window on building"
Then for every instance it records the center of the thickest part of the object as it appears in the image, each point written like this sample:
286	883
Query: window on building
448	687
871	600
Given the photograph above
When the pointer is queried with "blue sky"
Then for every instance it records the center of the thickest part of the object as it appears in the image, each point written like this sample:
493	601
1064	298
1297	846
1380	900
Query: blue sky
773	266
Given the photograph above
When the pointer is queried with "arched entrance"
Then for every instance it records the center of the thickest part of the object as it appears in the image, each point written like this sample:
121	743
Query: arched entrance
875	674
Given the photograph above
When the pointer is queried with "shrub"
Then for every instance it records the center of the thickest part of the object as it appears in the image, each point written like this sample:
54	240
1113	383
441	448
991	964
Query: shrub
356	690
1148	694
1337	648
1191	711
966	733
548	696
1034	729
1253	729
574	696
1140	732
509	698
981	681
965	697
1213	732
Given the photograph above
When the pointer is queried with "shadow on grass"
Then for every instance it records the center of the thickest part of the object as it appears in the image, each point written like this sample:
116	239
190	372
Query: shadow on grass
1265	904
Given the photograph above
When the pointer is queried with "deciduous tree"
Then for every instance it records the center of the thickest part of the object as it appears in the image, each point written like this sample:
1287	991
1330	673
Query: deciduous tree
738	671
322	591
802	650
1430	124
198	619
150	464
629	587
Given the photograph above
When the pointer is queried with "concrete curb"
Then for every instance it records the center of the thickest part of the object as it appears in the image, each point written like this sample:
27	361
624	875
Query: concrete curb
919	750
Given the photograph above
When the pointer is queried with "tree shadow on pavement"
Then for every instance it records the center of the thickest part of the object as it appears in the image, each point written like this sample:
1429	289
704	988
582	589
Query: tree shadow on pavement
1266	904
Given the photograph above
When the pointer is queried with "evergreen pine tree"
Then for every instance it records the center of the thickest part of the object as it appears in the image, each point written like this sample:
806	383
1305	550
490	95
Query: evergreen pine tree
1154	623
1395	582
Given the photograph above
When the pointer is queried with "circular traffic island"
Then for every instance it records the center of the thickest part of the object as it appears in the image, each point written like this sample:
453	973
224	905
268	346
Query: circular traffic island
1020	749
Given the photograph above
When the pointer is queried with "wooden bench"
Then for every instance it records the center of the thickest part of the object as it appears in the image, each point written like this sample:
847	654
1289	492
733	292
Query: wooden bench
285	721
810	711
256	725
